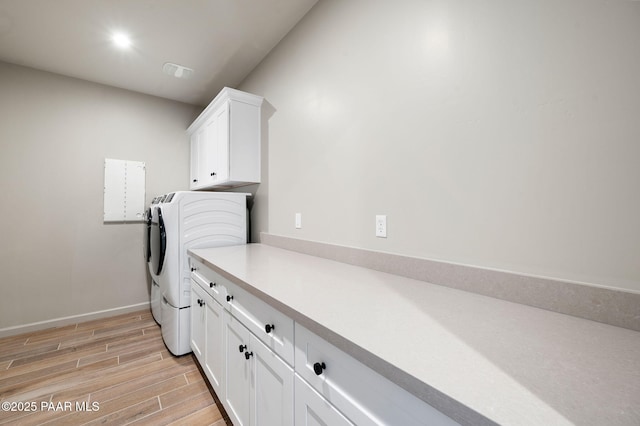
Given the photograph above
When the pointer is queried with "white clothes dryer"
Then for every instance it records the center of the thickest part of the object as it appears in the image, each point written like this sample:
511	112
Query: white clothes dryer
152	262
187	220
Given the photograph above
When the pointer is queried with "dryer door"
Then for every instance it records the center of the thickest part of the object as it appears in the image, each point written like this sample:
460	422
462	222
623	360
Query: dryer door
147	237
158	243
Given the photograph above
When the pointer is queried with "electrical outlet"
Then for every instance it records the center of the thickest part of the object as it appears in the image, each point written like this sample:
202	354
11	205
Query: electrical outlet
298	220
381	226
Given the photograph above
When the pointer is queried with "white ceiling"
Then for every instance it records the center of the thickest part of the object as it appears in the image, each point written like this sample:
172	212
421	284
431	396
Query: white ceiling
222	40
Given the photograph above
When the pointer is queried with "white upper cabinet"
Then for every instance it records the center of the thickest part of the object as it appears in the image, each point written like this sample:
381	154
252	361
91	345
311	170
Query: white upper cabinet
225	142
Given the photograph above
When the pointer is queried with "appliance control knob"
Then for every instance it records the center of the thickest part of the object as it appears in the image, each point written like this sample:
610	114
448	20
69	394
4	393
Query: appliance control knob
242	348
318	368
269	328
229	298
248	355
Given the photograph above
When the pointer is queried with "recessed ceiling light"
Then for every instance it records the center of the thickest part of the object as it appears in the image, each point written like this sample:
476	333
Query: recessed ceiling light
121	40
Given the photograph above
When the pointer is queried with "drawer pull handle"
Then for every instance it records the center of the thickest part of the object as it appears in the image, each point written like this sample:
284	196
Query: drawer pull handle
242	348
229	298
248	355
319	367
212	285
269	328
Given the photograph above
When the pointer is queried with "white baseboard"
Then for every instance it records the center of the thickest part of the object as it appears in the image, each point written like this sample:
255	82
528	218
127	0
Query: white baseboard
58	322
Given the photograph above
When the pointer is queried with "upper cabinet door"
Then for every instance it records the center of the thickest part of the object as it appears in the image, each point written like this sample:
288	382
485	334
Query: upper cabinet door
221	155
226	151
196	146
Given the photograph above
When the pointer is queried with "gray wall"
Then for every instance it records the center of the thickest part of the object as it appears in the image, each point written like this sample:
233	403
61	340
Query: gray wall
57	257
498	134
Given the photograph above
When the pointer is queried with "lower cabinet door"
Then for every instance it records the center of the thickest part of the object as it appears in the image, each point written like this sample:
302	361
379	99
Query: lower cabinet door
197	338
214	346
311	409
237	381
271	387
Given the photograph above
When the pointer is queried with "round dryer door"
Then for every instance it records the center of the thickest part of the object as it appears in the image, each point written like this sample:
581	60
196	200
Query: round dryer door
158	243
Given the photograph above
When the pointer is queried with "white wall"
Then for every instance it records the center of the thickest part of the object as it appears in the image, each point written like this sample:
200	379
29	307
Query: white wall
500	134
57	257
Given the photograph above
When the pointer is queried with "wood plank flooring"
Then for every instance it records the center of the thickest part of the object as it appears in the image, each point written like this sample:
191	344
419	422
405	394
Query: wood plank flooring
108	371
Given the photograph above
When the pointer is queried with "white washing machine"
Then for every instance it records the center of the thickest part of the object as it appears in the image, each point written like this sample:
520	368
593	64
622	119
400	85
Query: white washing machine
186	220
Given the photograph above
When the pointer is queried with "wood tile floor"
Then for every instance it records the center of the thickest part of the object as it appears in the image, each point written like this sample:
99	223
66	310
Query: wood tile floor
109	371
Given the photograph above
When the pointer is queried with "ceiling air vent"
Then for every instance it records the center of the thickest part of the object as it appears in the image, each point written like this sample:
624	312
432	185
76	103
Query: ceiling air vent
177	71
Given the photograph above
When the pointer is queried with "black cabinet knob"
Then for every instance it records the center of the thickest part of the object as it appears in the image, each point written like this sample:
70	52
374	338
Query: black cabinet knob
229	298
212	285
248	355
195	180
318	368
242	348
213	173
193	269
269	328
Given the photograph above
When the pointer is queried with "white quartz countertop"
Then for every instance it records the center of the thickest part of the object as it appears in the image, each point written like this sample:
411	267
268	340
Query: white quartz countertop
477	359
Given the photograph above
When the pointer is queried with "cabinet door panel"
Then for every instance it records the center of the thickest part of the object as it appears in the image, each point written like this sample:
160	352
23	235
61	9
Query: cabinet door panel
197	321
196	146
222	143
207	161
272	388
311	409
238	371
214	346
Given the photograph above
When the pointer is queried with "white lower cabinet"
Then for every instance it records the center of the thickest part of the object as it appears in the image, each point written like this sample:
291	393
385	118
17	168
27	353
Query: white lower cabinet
272	388
197	322
237	370
248	351
206	335
259	385
214	350
313	410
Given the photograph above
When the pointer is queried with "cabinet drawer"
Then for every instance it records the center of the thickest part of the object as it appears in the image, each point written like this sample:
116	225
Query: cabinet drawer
361	394
210	281
268	324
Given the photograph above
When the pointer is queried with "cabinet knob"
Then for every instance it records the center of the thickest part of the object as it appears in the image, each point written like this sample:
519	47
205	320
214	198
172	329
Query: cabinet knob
193	269
229	298
195	180
213	173
248	355
269	328
212	285
242	348
200	302
318	368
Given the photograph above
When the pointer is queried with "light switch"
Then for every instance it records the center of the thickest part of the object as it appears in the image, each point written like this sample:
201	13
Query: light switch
298	220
